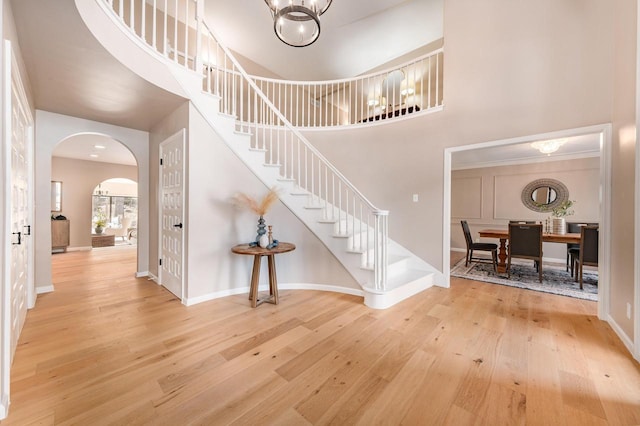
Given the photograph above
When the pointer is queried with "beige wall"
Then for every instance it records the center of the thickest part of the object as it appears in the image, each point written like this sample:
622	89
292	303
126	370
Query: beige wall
213	224
512	69
79	178
490	197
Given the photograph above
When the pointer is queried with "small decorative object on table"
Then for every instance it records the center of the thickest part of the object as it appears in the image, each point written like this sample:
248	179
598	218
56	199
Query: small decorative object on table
559	213
260	208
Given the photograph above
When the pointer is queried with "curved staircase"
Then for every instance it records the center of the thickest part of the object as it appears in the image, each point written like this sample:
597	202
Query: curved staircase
351	227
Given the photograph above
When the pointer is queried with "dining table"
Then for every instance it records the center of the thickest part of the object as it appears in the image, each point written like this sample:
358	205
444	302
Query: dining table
503	236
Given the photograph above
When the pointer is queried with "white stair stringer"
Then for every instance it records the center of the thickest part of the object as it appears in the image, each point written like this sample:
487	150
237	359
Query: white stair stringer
407	274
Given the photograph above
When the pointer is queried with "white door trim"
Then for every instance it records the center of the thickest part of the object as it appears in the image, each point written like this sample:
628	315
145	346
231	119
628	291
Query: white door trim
604	267
179	134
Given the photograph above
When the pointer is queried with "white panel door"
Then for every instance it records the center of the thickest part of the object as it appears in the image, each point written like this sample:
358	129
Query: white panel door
21	208
172	225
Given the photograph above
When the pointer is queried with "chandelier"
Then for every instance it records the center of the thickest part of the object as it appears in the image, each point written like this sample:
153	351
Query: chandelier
547	147
297	22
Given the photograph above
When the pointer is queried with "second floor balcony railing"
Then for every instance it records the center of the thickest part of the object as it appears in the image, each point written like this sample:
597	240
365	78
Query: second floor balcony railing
402	91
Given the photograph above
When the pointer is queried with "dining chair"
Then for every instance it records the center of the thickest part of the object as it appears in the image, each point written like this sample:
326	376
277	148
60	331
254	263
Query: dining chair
525	242
471	246
574	228
587	254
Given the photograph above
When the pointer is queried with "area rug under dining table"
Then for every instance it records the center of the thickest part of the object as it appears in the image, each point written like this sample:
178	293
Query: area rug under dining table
555	279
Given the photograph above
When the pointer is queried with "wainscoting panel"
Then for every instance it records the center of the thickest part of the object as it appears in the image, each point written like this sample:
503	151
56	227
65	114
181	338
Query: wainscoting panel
468	206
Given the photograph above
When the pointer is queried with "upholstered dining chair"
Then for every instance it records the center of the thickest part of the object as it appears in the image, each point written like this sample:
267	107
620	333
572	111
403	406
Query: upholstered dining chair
574	228
587	254
525	242
471	246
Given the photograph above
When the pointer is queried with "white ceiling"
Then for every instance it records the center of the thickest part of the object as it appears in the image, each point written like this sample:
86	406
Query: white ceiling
72	74
522	153
356	35
83	147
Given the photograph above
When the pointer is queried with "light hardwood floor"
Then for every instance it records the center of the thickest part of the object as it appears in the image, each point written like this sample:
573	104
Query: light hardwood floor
107	348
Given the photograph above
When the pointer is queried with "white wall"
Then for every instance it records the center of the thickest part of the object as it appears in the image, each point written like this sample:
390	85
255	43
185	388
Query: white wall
489	197
50	130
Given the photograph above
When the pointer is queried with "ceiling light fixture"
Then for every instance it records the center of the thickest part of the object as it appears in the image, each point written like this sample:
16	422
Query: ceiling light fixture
547	147
100	147
93	155
298	22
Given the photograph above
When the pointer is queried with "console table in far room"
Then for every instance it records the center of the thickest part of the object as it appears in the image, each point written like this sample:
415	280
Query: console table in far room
257	253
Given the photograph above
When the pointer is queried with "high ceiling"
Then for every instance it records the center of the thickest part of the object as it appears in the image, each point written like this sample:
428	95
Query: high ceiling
72	74
356	36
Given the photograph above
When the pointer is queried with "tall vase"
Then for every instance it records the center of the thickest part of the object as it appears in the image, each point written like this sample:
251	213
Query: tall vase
261	229
559	225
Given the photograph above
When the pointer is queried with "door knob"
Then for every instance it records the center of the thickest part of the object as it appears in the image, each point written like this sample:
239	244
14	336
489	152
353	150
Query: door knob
179	225
19	234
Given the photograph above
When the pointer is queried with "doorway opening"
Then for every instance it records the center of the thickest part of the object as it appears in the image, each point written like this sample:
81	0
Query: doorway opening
98	176
602	136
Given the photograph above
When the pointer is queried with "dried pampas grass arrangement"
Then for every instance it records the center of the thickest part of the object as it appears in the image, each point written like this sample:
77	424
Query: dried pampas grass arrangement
260	208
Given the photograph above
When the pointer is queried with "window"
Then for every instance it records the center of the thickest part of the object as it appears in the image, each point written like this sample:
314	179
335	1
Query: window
114	209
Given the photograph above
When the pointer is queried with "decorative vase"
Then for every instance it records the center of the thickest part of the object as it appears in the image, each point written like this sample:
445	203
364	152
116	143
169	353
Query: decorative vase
98	229
261	229
559	225
263	241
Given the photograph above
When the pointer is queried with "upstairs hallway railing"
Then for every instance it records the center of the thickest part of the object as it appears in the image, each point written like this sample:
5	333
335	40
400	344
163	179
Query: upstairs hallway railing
410	88
191	43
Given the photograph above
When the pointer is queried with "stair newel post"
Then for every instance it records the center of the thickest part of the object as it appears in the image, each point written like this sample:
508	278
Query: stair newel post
381	235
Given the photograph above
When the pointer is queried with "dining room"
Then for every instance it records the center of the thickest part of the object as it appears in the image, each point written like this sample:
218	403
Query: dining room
558	196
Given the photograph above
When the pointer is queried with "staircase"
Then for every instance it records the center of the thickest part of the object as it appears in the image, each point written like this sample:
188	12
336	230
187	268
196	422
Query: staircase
350	226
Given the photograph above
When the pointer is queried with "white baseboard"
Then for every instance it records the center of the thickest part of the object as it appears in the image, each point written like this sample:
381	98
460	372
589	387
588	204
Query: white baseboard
4	407
79	248
142	274
461	250
46	289
219	294
322	287
626	340
288	286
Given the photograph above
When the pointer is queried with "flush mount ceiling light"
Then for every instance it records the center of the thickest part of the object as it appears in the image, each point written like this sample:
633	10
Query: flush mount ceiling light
547	147
297	22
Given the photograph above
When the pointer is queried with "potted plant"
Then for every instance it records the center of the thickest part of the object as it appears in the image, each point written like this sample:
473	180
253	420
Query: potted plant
559	214
100	223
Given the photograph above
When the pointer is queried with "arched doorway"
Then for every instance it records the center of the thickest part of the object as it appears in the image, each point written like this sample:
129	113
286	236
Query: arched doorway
82	163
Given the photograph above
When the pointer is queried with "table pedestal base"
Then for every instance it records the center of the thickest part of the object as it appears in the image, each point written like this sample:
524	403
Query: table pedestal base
502	256
255	281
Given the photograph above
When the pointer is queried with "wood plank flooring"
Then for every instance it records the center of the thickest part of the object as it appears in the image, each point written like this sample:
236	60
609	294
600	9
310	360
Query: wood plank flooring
107	348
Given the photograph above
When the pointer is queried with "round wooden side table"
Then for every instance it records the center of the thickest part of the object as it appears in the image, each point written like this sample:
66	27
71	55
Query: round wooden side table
257	253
